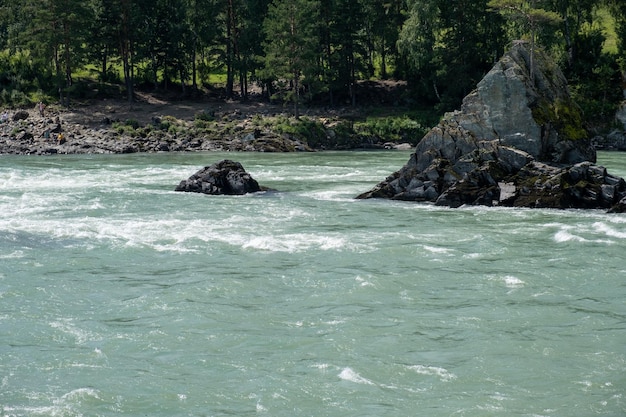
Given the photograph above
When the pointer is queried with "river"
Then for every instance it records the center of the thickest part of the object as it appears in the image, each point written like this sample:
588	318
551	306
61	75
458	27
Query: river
120	297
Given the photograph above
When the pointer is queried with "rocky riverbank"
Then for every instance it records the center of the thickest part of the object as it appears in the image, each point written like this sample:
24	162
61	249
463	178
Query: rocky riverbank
76	132
153	125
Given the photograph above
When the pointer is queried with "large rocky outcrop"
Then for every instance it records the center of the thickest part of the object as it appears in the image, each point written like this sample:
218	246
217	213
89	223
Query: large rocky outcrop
224	177
516	141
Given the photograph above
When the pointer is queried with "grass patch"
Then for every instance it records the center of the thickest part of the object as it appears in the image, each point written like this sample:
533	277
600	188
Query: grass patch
392	129
607	23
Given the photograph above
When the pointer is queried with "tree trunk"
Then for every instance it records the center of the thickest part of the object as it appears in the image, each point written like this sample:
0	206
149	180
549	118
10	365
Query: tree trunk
194	68
383	58
230	49
296	86
104	64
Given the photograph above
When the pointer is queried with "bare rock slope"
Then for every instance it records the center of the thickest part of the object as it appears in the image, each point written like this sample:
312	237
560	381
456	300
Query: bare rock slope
517	140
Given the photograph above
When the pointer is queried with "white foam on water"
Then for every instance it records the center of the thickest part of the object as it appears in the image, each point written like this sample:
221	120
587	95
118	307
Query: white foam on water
68	327
178	235
80	394
260	408
294	242
62	406
566	233
363	282
47	411
565	236
434	249
337	195
441	373
12	255
608	230
347	374
513	282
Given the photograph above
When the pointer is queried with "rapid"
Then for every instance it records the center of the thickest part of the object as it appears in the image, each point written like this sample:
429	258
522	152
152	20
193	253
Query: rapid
119	296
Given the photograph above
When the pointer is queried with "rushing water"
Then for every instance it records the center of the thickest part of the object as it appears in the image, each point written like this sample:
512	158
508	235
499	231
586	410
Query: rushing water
120	297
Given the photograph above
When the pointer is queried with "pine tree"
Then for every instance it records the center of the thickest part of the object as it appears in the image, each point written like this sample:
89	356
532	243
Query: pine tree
532	16
448	46
291	46
57	31
348	43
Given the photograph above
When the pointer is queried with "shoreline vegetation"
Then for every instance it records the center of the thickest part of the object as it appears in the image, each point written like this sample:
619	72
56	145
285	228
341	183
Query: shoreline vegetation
160	123
297	55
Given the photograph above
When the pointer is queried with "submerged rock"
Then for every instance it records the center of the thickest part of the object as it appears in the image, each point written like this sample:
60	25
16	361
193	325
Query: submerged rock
516	141
224	177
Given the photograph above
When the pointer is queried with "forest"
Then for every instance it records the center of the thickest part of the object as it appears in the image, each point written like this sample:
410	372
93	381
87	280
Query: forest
301	52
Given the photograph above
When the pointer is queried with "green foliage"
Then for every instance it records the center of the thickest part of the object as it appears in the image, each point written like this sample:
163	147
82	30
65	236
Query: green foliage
301	50
205	116
22	79
128	128
132	123
335	135
531	17
310	131
595	78
169	124
392	129
449	46
290	29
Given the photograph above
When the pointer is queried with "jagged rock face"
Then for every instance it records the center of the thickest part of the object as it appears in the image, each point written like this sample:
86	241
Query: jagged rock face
225	177
508	130
536	117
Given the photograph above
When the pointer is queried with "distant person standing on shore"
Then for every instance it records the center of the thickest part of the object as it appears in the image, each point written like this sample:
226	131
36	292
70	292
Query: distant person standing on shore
41	107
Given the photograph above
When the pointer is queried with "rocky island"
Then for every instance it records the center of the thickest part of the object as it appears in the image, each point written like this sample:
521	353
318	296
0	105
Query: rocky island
225	177
516	141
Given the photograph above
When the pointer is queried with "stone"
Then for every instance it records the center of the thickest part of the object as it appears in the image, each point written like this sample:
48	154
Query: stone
224	177
20	115
620	207
515	141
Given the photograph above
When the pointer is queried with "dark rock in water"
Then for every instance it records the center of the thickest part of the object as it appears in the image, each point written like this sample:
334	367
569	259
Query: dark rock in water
619	207
516	141
225	177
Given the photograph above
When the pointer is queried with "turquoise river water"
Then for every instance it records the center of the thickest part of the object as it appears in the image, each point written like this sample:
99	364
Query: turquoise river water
121	297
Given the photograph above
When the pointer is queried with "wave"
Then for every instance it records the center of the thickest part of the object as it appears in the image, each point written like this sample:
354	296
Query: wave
513	282
348	374
608	230
65	405
441	373
598	232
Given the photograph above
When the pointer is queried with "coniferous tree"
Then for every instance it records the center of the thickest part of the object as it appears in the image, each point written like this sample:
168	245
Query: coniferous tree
417	43
201	17
348	44
291	46
57	32
101	45
574	14
128	36
326	64
449	46
249	41
382	23
532	16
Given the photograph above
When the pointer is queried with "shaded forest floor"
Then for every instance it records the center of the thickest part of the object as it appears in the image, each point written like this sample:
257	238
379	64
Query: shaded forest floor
374	99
